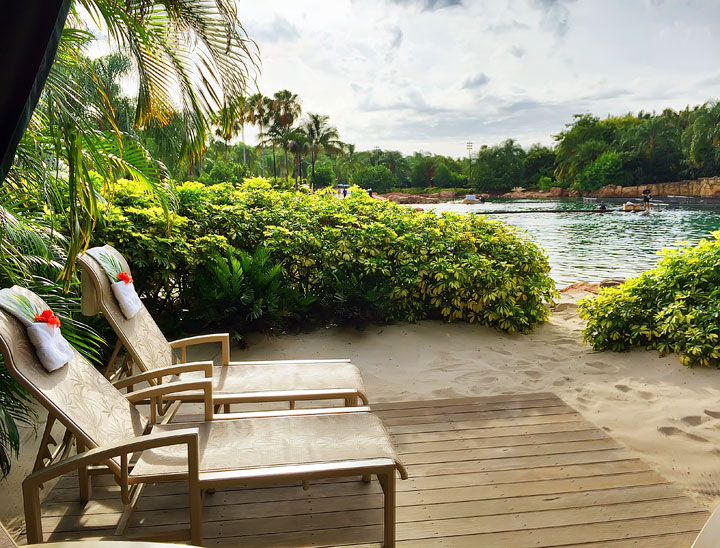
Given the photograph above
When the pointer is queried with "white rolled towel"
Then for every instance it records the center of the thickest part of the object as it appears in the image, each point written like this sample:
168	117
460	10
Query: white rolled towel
50	346
127	298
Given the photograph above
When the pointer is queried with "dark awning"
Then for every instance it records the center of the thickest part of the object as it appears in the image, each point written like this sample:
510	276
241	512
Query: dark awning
28	43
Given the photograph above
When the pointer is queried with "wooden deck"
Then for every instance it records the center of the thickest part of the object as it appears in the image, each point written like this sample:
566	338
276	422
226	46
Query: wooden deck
520	470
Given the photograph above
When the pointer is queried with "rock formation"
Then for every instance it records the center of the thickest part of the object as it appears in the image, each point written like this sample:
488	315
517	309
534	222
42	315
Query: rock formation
707	187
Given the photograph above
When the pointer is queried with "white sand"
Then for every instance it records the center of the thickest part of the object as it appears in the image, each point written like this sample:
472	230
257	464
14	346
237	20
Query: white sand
665	413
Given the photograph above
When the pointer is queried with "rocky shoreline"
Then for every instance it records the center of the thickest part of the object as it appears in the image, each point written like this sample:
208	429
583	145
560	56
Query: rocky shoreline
706	187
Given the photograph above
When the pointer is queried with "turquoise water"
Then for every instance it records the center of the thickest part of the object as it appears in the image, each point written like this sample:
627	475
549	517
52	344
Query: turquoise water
593	247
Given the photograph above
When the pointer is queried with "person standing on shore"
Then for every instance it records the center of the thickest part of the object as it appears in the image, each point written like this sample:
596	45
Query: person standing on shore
646	197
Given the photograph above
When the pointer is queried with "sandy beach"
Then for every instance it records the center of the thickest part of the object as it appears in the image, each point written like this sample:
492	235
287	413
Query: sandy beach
667	414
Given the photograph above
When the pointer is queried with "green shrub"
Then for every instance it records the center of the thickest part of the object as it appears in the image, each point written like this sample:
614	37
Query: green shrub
672	308
324	175
607	169
355	260
545	184
379	178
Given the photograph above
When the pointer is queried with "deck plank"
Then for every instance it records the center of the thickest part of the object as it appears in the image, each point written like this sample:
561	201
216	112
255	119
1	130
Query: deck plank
514	470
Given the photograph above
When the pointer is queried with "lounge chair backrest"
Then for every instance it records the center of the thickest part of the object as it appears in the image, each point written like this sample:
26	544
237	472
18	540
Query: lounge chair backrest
140	335
77	395
6	541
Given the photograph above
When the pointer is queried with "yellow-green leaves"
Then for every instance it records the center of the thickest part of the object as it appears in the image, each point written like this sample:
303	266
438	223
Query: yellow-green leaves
672	308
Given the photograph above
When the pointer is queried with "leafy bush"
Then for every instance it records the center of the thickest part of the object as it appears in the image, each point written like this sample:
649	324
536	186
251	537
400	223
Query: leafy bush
379	178
607	169
672	308
445	178
545	184
324	175
240	291
356	260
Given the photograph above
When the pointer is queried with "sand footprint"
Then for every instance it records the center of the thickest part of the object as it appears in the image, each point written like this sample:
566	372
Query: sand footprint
692	420
669	430
672	431
600	365
647	395
622	388
503	352
713	414
533	374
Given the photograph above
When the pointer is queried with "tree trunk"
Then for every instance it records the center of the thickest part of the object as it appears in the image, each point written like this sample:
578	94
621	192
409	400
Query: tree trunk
287	173
274	165
262	148
312	163
242	126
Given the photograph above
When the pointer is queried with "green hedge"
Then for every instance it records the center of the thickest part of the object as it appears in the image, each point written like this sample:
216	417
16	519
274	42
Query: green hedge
314	258
672	308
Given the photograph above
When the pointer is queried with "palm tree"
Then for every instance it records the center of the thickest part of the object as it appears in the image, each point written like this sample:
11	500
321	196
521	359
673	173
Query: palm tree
286	109
701	139
75	146
259	112
299	146
322	137
649	135
162	36
350	163
395	162
230	120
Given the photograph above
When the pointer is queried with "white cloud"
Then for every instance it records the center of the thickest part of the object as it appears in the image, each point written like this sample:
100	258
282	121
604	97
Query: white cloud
399	73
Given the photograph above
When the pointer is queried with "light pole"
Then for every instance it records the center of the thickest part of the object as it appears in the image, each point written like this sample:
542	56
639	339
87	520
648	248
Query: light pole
377	155
469	149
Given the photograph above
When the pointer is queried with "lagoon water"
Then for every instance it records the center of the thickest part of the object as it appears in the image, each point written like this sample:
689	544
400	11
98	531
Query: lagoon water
593	247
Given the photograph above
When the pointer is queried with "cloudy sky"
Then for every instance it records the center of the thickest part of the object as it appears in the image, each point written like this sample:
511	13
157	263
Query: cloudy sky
434	74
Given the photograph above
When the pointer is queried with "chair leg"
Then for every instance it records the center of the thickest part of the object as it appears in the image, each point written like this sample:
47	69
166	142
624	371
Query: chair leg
196	518
33	520
124	521
367	478
84	480
46	440
387	482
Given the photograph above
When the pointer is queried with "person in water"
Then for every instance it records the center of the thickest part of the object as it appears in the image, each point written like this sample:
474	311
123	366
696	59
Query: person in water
646	197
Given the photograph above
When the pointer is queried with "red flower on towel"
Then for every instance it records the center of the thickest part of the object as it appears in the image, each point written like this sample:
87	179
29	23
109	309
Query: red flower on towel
125	277
47	316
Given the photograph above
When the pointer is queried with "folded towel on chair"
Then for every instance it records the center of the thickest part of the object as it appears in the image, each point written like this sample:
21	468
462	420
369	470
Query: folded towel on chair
52	349
120	282
127	298
43	329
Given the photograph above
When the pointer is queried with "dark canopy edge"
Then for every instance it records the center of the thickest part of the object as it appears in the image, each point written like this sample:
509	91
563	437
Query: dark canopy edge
29	36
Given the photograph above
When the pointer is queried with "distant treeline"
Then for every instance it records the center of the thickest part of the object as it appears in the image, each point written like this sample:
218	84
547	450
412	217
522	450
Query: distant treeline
588	154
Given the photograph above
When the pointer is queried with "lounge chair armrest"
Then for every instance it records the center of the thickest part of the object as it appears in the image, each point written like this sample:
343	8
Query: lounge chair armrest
157	374
188	436
31	484
222	338
153	392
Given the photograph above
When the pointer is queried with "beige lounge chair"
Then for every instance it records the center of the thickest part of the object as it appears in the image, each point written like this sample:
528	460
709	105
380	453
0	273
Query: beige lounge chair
233	382
223	451
6	541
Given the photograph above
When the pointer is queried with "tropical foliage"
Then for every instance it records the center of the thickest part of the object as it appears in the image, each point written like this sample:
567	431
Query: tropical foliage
84	134
322	260
672	308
